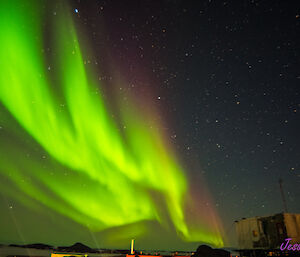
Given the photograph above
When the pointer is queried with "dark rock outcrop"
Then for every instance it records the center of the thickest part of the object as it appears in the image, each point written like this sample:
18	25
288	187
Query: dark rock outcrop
78	248
206	251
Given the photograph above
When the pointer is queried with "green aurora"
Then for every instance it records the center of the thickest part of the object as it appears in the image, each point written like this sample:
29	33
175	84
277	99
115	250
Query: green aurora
126	174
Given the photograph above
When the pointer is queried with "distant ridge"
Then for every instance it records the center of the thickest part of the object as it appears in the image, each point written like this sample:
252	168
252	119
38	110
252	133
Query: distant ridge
35	246
77	247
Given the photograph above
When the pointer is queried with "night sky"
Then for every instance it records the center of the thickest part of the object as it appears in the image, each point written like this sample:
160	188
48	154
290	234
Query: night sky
223	80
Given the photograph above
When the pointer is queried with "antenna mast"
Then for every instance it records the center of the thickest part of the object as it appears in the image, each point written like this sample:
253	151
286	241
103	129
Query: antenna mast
282	195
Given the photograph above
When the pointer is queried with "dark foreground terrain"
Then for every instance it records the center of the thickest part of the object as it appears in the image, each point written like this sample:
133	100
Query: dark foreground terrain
44	250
